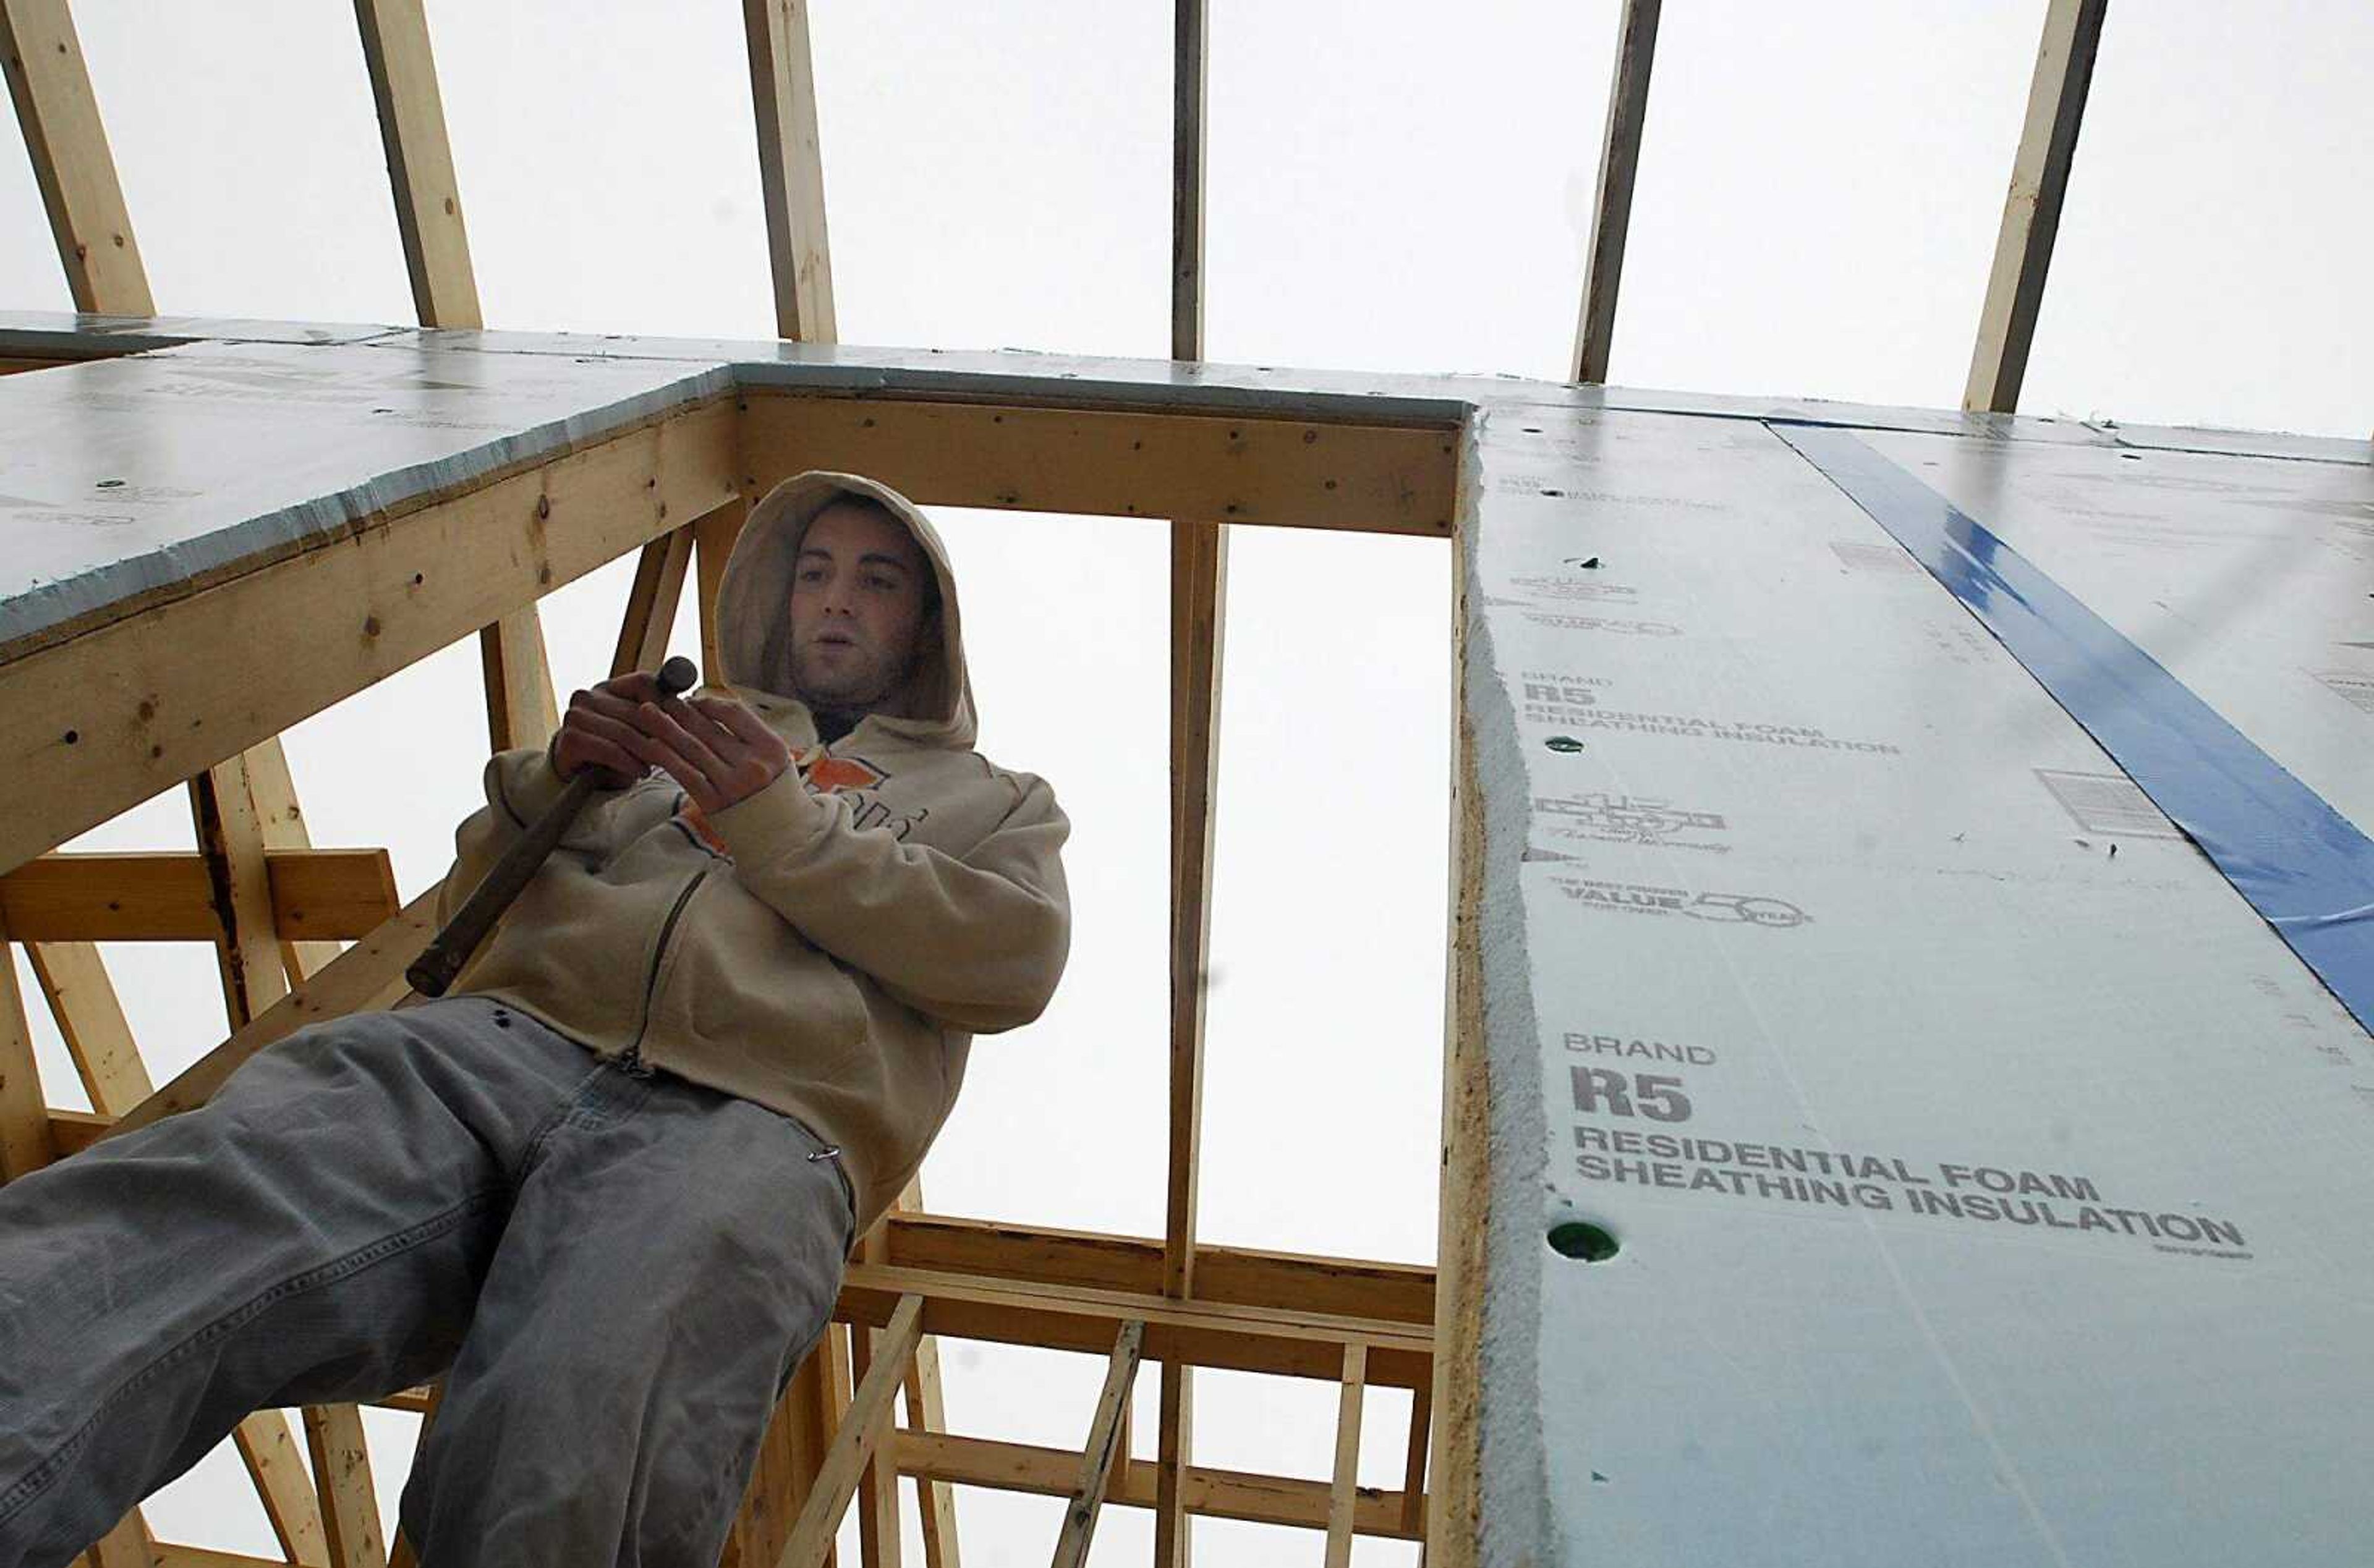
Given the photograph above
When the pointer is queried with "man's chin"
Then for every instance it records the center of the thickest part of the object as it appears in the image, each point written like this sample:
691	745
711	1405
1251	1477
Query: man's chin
842	695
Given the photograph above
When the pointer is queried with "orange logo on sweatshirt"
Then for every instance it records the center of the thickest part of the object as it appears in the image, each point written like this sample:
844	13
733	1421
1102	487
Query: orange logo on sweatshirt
827	774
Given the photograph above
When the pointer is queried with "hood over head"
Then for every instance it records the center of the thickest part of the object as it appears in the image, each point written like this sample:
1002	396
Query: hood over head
754	600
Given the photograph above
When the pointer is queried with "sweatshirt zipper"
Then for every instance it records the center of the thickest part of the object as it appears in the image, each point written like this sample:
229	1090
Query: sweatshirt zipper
631	1061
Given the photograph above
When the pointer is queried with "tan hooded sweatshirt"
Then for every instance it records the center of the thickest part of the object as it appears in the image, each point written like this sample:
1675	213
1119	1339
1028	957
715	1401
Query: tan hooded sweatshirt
829	946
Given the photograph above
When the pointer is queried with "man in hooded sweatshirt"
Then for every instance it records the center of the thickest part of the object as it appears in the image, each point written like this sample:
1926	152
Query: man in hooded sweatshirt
605	1187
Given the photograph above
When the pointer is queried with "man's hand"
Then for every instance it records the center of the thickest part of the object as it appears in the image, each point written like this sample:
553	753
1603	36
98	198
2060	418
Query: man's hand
714	746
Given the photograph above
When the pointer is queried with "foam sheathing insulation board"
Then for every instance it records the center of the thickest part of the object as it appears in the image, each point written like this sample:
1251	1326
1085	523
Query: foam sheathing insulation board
1926	918
1990	1179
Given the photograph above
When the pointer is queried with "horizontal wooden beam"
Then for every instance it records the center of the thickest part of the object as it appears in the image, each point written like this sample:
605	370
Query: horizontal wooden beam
164	896
1370	478
1353	1287
1197	1333
1214	1494
101	720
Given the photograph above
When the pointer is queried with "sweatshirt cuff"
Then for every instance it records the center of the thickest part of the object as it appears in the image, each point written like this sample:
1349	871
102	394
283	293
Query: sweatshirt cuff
780	820
529	783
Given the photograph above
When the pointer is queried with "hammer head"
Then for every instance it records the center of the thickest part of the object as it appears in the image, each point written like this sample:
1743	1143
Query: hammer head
678	676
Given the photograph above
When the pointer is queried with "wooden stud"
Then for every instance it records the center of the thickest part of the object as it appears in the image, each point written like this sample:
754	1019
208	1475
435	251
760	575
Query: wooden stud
125	1546
366	977
713	539
935	1500
1198	598
867	1424
230	837
1619	165
1414	1467
89	1018
419	162
349	1507
1108	1441
877	1488
1464	1210
651	603
128	691
71	162
2039	180
1173	1463
521	708
268	1447
1210	1493
166	896
1344	1491
25	1141
273	791
1114	462
1190	32
790	167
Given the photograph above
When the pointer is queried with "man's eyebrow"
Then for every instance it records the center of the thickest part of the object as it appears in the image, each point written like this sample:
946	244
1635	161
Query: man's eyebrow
870	558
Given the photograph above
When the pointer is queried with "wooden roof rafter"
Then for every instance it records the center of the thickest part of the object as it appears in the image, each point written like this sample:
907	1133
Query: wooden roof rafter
1199	588
2031	221
1619	167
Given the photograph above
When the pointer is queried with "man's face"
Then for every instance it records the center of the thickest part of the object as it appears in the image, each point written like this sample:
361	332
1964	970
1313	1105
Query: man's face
857	604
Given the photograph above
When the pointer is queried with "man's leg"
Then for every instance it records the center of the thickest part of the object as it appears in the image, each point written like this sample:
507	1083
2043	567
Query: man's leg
314	1234
671	1253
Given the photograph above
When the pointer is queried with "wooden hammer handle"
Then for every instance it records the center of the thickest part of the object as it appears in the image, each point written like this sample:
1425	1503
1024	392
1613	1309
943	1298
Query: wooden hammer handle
441	960
443	957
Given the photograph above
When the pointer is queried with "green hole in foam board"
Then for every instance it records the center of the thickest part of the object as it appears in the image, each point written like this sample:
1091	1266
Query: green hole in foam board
1581	1238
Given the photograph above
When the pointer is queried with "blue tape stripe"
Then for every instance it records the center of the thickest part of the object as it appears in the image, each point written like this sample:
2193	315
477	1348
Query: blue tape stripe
2301	864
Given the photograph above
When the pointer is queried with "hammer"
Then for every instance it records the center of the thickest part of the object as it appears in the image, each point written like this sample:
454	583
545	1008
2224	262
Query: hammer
442	959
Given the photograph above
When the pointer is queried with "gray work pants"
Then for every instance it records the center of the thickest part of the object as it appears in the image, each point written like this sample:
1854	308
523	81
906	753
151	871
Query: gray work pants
619	1271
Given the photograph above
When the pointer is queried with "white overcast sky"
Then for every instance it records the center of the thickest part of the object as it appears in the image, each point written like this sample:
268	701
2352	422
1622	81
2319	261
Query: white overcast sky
1392	187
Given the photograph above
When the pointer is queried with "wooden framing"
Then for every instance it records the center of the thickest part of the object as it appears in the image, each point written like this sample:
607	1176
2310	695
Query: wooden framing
71	162
867	1422
686	476
1199	590
1206	1493
105	719
520	710
790	167
345	614
419	162
164	896
1190	34
1108	1442
1114	461
2039	180
1620	166
1343	1493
